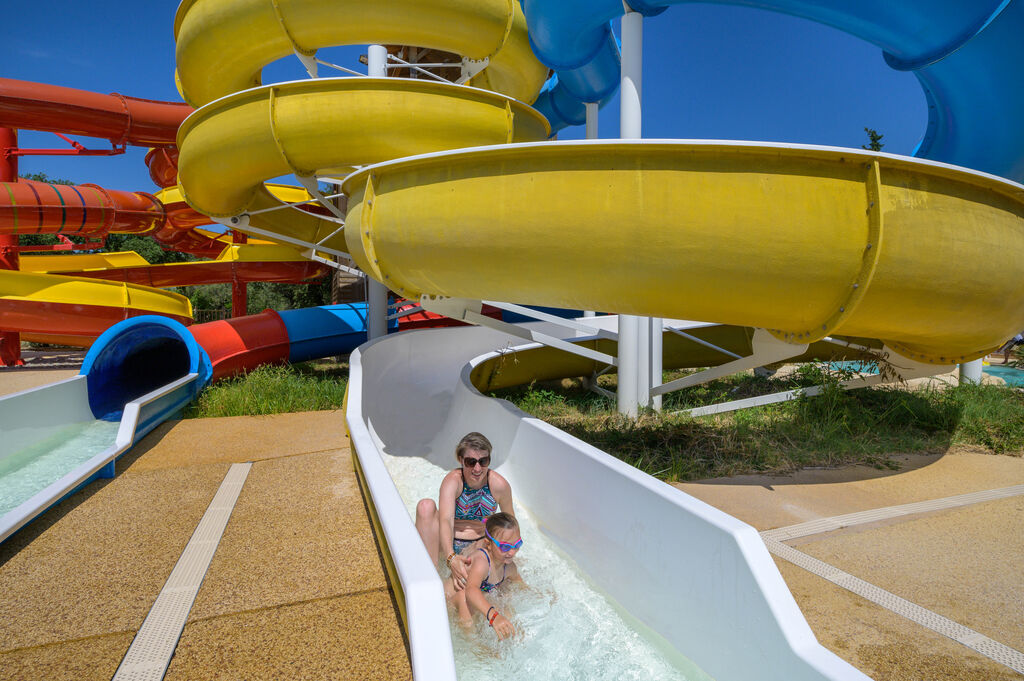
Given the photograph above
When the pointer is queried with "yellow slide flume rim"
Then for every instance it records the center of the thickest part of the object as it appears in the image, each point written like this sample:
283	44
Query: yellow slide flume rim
223	45
52	288
228	149
803	241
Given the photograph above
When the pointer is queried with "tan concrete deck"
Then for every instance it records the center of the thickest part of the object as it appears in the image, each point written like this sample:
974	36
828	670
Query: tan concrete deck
296	588
42	367
963	563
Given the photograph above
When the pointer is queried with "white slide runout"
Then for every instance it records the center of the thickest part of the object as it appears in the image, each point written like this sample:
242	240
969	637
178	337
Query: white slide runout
697	577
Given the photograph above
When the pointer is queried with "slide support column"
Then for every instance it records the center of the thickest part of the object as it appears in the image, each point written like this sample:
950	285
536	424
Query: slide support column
592	110
639	369
971	372
10	343
239	289
376	292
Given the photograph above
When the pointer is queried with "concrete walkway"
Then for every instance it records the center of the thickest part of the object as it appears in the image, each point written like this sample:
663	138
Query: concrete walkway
962	563
296	588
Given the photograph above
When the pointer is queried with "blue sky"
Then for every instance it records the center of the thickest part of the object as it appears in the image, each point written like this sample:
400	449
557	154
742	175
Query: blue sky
710	72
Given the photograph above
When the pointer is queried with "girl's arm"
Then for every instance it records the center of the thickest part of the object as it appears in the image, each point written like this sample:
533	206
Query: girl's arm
477	601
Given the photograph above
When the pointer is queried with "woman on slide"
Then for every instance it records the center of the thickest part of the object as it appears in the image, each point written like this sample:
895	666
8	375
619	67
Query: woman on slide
468	495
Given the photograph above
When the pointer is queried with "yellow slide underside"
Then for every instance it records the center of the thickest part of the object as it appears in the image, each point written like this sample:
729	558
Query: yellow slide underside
806	242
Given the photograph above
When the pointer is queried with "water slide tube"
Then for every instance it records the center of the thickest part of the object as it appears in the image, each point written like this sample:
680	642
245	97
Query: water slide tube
966	55
58	297
69	309
136	375
803	241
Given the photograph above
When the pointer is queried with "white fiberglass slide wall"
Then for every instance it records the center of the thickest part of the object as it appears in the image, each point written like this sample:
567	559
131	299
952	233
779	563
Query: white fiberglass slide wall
699	578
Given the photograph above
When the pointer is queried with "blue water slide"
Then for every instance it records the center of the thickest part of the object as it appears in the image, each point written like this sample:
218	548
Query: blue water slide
136	357
325	331
967	54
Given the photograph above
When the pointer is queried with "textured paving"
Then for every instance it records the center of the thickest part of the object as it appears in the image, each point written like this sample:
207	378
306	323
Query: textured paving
296	588
963	562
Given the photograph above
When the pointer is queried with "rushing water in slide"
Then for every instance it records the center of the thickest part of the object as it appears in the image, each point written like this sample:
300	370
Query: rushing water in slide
565	628
26	472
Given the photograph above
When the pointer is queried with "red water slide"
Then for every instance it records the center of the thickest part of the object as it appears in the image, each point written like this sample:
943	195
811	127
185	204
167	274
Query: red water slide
88	210
115	117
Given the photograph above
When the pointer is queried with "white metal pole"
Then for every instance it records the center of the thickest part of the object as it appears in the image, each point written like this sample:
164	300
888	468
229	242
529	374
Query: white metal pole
971	372
657	335
591	135
592	110
625	396
630	353
376	292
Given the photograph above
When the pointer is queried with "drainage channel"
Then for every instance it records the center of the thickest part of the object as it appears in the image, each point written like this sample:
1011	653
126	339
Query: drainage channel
151	650
974	640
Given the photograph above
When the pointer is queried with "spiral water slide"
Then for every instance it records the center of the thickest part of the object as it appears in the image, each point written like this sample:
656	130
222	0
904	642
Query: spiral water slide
463	200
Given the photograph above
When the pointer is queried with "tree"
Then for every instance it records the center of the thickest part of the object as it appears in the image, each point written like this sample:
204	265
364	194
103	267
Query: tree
874	140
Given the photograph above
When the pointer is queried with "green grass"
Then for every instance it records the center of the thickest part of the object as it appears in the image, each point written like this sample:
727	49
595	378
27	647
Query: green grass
310	386
836	427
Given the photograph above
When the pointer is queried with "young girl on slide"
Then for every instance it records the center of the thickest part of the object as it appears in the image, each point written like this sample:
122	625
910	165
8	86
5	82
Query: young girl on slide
490	566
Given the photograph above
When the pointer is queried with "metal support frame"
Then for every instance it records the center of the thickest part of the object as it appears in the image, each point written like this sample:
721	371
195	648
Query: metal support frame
241	222
905	369
767	349
471	311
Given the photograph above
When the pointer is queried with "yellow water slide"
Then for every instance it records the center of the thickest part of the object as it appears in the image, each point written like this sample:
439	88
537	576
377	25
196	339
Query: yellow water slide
806	242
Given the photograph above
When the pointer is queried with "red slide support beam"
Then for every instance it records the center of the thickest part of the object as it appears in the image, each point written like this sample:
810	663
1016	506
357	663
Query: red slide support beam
10	343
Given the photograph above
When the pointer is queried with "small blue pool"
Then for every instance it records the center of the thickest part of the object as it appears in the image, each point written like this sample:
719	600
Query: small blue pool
1011	375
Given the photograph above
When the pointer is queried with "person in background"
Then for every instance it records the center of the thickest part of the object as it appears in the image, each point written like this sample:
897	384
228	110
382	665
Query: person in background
468	495
1010	345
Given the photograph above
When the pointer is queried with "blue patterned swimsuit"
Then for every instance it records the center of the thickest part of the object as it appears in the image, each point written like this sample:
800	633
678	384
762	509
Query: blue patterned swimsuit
473	504
486	586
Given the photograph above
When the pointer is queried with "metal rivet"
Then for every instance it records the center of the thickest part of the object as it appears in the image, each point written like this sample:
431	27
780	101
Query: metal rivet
868	247
842	309
856	285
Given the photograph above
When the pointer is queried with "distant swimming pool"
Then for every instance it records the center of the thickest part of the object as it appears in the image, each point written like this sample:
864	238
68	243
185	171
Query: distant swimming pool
1011	375
859	367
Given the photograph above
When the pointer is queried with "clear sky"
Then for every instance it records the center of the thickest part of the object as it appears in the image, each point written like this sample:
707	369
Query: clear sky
710	72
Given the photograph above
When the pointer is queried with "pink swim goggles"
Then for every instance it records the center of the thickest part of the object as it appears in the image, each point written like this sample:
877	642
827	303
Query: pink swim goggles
504	547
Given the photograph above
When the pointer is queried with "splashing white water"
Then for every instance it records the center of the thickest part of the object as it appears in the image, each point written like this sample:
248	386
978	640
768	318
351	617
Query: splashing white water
565	628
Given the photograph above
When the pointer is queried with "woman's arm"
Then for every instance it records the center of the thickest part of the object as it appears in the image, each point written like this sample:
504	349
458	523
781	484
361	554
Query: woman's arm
450	489
502	492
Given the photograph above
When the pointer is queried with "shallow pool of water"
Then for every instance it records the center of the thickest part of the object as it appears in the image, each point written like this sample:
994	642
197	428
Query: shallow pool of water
1011	375
565	627
26	472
